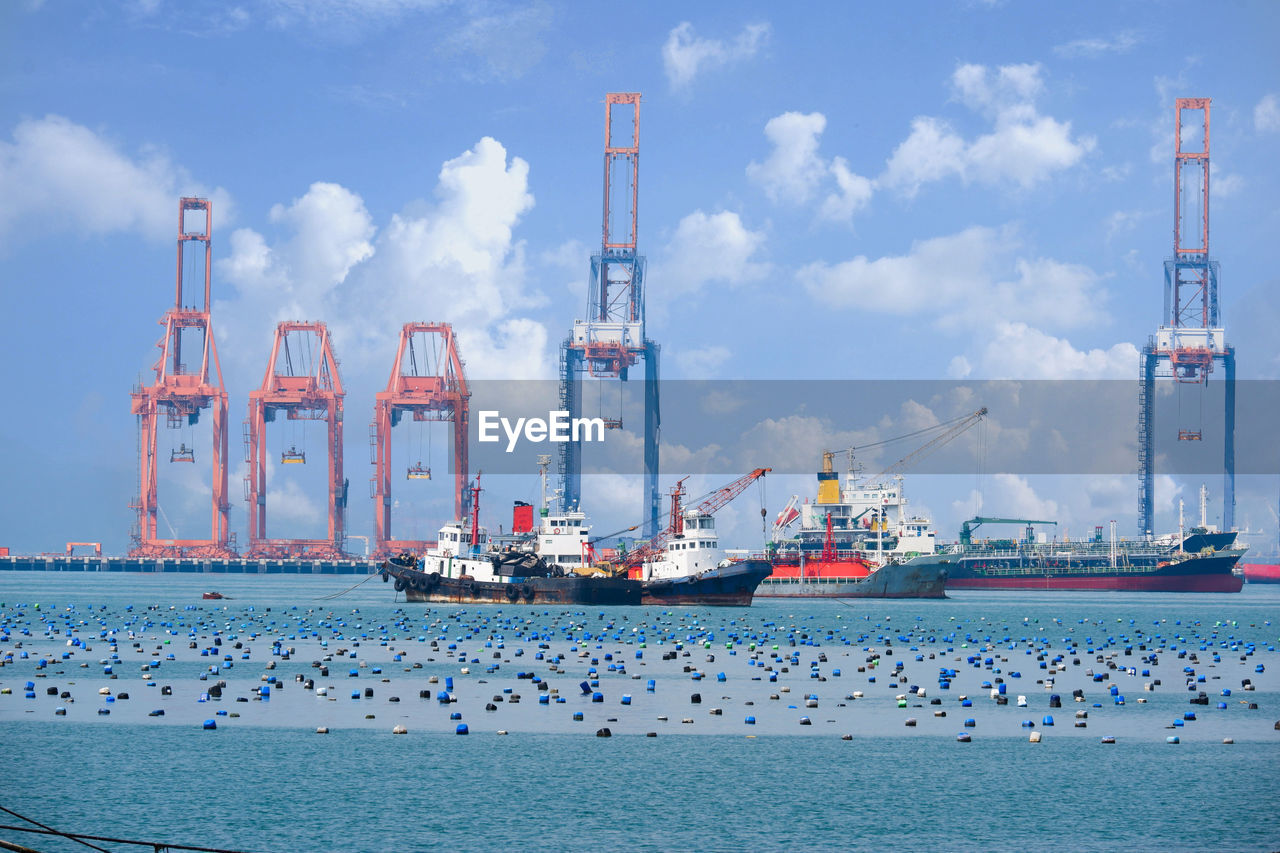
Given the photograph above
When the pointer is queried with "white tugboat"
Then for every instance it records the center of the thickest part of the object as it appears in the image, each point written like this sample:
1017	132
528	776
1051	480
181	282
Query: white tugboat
462	568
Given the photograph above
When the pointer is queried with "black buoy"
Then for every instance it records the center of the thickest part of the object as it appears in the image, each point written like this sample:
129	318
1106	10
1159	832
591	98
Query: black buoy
696	699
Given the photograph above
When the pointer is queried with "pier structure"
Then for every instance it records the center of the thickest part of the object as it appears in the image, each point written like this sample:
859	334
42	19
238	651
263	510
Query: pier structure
188	380
428	382
612	338
1191	338
302	382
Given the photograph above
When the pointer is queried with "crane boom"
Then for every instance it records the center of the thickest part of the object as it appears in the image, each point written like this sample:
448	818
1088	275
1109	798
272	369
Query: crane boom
938	441
708	505
967	528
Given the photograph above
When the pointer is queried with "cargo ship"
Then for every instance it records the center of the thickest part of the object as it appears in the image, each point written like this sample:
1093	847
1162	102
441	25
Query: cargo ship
1094	564
852	542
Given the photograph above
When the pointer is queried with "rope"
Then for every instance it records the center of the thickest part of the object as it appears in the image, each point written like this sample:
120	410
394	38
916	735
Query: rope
348	589
156	845
50	830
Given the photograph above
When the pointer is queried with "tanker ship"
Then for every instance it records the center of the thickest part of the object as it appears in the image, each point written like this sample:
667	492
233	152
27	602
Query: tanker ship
1116	564
853	542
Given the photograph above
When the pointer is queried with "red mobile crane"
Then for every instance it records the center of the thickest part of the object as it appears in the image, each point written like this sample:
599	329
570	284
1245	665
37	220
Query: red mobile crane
708	505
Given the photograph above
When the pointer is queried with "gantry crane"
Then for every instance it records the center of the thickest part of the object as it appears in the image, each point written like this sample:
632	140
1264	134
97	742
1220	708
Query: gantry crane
612	337
1191	337
427	381
303	383
180	391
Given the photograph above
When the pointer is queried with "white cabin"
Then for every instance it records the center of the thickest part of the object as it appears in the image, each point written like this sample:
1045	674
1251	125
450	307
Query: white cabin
873	516
562	538
697	549
454	556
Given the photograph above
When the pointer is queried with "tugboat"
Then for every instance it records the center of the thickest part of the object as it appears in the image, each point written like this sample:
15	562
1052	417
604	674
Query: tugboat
462	569
684	563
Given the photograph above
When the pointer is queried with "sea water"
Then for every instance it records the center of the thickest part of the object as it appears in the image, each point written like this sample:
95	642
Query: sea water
265	780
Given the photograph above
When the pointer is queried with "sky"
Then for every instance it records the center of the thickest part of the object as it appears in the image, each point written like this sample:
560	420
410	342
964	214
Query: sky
958	191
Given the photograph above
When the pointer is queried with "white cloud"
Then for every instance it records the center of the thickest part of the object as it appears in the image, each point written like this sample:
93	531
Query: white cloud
793	169
931	152
1091	48
1018	351
854	193
969	279
1023	148
58	175
708	249
701	362
1011	496
455	260
1266	115
685	55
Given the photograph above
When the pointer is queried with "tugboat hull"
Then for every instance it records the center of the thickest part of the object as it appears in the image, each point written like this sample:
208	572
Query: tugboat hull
731	586
429	587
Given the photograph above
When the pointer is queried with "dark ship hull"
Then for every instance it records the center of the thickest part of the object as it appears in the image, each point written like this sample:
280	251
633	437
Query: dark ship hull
731	586
432	588
1021	570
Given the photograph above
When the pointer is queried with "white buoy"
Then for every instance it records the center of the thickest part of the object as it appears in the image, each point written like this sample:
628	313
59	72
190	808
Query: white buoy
1034	737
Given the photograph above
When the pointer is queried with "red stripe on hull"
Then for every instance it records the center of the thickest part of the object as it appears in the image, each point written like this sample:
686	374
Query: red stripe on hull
1167	583
1261	572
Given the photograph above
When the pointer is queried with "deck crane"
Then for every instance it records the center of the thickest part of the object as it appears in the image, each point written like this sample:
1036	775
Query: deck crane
958	426
967	528
708	504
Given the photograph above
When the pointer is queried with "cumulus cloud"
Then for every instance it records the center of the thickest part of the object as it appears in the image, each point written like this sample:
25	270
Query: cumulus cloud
793	169
454	259
1266	115
59	175
711	249
1018	351
966	279
1023	147
794	172
685	54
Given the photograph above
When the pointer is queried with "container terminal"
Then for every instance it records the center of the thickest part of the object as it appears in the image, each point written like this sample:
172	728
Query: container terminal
427	383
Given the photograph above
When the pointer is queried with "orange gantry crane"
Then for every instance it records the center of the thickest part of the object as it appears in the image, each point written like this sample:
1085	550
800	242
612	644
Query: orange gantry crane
302	382
428	382
188	379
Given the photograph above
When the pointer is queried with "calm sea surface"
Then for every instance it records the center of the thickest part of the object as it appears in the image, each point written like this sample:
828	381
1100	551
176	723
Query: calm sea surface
265	780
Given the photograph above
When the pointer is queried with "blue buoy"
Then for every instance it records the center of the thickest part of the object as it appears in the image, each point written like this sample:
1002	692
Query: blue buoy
651	686
462	729
626	698
585	686
1047	721
597	697
210	724
751	721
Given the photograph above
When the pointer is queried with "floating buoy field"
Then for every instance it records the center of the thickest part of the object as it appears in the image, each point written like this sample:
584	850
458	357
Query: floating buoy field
425	671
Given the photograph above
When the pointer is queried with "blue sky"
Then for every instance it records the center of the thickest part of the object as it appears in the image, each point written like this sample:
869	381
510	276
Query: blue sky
950	190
